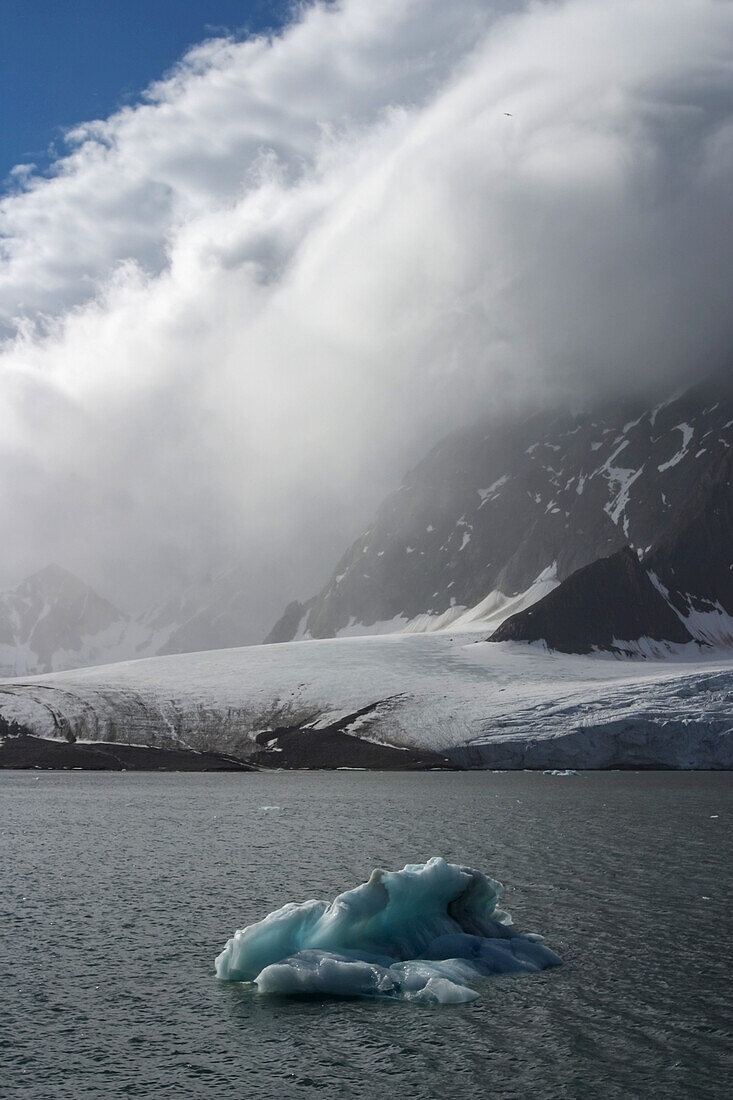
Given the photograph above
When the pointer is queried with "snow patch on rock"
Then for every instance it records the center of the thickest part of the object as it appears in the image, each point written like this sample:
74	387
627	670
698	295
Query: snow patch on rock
687	434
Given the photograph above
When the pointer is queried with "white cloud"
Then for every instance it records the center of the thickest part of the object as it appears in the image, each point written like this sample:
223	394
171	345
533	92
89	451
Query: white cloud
237	309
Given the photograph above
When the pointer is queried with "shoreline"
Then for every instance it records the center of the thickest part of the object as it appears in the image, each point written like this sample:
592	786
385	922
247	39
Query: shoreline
26	752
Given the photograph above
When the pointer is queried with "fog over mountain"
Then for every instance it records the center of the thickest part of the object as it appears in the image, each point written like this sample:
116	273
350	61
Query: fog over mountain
235	313
494	518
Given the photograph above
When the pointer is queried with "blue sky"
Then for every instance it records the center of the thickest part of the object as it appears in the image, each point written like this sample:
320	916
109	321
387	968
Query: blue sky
67	61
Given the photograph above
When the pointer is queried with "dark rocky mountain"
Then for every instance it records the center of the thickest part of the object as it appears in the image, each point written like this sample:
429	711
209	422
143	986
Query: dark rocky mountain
497	515
694	559
610	599
681	591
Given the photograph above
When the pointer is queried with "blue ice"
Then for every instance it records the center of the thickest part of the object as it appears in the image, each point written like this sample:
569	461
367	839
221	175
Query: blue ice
425	934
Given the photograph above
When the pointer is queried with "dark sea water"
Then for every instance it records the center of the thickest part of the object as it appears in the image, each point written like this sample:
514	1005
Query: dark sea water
119	889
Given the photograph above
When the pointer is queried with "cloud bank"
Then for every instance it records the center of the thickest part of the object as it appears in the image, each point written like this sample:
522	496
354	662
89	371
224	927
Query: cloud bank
236	311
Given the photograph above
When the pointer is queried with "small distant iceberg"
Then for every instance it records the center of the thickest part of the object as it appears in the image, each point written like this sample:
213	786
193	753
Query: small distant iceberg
425	934
560	771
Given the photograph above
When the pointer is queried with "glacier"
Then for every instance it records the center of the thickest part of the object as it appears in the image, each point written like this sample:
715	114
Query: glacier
482	704
424	934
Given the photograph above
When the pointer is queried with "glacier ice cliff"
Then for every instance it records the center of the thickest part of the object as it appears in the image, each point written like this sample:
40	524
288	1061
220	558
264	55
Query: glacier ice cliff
424	934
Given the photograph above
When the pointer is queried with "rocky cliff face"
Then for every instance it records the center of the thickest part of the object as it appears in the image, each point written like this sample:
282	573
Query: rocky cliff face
492	510
601	606
681	591
694	559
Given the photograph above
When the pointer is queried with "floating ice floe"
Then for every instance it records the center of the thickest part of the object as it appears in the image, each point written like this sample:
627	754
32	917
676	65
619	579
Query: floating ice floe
423	934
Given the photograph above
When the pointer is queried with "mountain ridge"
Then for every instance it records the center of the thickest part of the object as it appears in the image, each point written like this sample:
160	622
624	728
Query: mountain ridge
491	521
53	621
496	515
679	592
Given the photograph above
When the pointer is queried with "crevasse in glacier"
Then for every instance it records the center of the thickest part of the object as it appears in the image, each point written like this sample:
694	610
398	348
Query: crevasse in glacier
424	933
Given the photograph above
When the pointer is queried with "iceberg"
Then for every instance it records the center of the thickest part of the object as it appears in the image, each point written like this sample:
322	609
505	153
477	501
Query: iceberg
424	934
